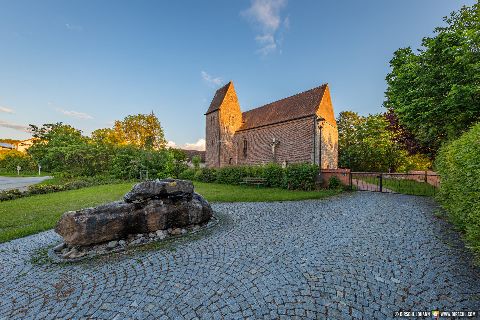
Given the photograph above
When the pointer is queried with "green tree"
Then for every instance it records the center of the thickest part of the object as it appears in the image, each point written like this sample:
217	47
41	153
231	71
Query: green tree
106	136
142	130
436	92
62	148
196	161
348	123
51	131
366	144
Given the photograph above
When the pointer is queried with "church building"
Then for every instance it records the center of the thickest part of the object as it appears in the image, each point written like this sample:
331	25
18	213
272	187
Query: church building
297	129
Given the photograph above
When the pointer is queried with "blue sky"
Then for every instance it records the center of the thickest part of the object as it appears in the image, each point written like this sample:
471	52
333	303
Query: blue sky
88	63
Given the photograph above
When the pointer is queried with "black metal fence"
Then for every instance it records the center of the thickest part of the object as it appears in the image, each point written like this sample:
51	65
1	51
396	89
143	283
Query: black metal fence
421	183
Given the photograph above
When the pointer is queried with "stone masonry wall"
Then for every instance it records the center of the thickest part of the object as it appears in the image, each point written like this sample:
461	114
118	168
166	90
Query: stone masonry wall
212	138
329	147
230	122
295	143
220	128
329	156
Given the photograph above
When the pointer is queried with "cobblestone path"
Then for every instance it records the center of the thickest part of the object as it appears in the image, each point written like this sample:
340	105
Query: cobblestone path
357	255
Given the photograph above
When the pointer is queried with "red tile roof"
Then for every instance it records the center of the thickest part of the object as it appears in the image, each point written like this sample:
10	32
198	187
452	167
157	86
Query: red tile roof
297	106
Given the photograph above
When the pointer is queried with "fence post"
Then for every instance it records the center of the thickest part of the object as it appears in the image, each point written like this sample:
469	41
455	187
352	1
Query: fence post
381	182
350	180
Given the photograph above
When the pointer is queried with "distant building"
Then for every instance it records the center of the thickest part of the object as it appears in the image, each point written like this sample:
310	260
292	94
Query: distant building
6	146
300	128
24	145
21	146
191	153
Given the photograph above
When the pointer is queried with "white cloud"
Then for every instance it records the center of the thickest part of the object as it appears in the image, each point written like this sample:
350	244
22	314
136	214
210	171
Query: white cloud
210	79
14	126
267	44
73	27
265	16
199	145
75	114
6	110
171	144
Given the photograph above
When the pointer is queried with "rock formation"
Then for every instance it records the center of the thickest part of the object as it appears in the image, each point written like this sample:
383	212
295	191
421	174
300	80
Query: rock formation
148	207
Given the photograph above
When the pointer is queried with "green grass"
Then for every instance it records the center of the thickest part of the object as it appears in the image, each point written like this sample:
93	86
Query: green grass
404	186
228	193
29	215
25	216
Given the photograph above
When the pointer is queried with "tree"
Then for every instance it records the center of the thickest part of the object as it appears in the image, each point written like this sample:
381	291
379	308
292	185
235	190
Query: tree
196	161
348	123
403	137
367	144
436	92
106	136
51	131
142	130
62	148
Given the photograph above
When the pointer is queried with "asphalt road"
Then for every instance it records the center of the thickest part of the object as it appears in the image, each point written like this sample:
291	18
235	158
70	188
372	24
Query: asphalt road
7	183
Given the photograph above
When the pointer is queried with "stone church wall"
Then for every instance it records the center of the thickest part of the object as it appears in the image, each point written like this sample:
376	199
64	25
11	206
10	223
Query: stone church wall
220	130
295	143
329	153
211	141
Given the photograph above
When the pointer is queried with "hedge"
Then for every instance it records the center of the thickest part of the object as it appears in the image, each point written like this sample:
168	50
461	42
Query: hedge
458	164
294	177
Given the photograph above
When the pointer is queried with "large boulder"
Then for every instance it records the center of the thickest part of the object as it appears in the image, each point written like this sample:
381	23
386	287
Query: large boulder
150	206
159	189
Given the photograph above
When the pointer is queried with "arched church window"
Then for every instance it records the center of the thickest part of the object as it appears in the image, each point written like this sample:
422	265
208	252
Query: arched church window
245	148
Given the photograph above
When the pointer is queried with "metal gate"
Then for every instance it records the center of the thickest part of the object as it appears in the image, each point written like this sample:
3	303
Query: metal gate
423	184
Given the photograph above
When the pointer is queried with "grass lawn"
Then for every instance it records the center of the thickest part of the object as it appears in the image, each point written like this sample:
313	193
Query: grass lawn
403	186
29	215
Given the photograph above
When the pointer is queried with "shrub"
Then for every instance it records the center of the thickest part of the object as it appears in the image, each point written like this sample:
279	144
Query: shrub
11	159
334	183
42	189
10	194
301	176
232	175
458	164
274	174
206	175
188	174
255	171
196	162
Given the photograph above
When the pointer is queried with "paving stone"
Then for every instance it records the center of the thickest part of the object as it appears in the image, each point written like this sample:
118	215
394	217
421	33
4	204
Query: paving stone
358	255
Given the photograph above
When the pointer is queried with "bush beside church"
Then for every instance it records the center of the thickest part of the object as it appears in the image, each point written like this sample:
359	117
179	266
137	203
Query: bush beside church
302	176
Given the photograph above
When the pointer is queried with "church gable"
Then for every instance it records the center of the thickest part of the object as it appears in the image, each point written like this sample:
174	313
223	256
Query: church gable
325	109
218	98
